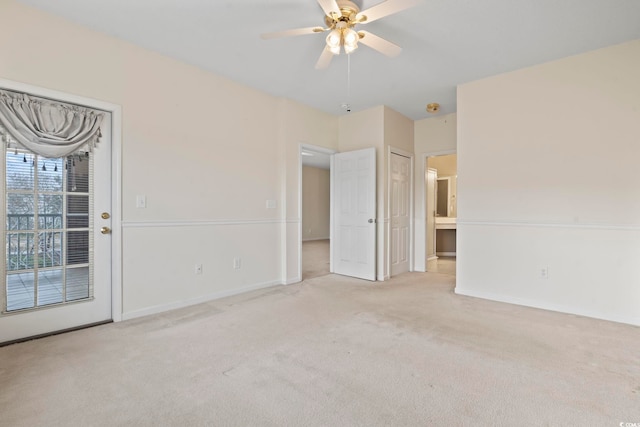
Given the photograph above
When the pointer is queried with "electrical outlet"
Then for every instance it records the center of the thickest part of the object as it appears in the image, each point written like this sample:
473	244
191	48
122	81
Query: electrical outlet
236	263
198	268
544	273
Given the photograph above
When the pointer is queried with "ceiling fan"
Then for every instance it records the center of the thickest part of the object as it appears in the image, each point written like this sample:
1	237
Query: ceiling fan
341	16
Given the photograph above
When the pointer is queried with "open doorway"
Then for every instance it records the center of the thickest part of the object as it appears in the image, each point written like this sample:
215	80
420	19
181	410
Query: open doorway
441	213
315	209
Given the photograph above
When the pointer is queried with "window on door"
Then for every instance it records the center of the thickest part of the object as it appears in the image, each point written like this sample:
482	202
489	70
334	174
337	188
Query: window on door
48	201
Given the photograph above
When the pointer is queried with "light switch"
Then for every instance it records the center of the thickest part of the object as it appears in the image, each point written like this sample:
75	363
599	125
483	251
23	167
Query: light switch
141	201
271	204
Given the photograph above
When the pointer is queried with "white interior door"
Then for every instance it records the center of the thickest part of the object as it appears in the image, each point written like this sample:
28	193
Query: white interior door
57	270
354	213
432	200
400	215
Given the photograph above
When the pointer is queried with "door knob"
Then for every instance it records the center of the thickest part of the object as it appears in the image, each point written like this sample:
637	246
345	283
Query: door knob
105	215
371	220
105	230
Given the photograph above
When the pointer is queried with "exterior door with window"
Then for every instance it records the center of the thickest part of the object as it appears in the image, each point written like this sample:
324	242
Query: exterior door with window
57	251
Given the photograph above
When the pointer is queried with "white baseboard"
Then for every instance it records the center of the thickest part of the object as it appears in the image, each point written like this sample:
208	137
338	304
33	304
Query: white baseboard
193	301
292	281
446	253
547	306
432	257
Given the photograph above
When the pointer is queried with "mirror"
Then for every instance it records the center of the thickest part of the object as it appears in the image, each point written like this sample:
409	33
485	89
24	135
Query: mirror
446	197
442	208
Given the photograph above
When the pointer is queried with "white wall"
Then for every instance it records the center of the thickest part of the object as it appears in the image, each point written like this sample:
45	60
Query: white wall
206	152
433	136
547	178
315	203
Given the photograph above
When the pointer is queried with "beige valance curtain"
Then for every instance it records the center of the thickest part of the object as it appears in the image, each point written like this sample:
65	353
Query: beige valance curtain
48	128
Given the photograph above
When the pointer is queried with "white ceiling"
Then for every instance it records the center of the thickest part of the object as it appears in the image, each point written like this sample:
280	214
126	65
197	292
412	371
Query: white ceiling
445	43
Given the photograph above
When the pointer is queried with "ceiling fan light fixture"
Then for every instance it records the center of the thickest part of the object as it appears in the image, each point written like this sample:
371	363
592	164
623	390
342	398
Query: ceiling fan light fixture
350	37
340	18
334	38
349	49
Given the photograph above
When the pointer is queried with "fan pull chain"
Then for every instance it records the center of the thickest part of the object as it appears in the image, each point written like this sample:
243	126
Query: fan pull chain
348	78
346	104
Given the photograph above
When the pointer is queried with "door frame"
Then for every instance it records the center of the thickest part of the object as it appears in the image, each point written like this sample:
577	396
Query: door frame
116	175
393	150
431	236
420	263
321	150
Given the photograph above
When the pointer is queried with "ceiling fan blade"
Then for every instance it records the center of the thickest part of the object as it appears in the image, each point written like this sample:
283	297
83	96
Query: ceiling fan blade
330	8
378	43
325	59
294	32
383	9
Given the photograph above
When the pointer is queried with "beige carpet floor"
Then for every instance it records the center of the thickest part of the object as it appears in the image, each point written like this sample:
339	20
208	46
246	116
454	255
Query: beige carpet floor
331	351
315	258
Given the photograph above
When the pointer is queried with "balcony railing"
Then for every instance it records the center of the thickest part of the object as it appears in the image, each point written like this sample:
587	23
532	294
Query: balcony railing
22	245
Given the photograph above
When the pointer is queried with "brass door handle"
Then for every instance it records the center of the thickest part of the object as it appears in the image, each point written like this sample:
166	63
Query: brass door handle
105	230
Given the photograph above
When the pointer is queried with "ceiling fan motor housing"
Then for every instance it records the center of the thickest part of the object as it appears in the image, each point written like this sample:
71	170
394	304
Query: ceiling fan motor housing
348	10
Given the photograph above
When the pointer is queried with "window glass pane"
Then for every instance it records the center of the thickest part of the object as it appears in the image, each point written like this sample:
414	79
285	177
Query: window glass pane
49	221
50	174
78	204
20	251
20	211
77	247
20	291
77	283
77	211
20	203
49	211
78	174
49	287
20	171
77	220
50	249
